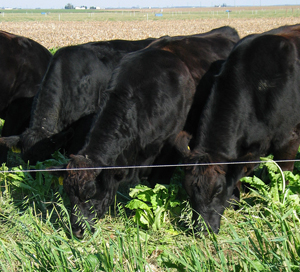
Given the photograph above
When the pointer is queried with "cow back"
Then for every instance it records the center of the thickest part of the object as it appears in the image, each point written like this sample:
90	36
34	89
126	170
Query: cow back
23	64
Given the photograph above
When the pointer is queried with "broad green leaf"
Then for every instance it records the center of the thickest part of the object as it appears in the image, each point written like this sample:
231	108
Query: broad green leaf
162	193
144	218
154	201
256	183
150	205
145	196
142	192
293	200
272	167
137	204
268	158
158	219
159	187
291	178
274	193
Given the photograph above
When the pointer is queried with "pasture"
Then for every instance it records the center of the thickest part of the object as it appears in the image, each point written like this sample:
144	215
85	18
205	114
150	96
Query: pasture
261	235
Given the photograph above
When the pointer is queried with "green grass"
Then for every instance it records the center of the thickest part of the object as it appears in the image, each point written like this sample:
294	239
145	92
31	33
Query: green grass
144	14
262	235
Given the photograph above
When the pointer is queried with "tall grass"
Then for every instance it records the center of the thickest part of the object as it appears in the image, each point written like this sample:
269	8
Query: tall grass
35	233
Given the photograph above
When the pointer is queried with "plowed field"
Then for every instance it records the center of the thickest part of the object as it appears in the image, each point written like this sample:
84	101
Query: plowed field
59	33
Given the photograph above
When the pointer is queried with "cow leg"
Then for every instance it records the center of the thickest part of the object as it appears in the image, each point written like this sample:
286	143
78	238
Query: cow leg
3	154
162	175
16	121
81	129
17	117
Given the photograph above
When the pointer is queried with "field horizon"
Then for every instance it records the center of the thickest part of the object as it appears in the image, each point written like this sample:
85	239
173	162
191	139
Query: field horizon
54	30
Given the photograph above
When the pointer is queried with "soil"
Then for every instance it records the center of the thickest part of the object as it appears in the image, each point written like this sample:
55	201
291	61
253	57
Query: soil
58	33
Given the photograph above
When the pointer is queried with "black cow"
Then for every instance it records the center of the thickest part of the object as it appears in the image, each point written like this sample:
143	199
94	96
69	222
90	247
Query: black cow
210	48
69	97
143	110
252	111
23	63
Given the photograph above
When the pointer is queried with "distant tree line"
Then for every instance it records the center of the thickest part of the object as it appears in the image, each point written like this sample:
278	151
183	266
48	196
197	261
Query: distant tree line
70	6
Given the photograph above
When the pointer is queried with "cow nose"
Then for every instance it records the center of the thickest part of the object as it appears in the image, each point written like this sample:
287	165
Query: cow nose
78	233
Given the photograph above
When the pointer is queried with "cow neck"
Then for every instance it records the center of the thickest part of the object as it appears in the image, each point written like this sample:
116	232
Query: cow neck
221	124
113	133
224	126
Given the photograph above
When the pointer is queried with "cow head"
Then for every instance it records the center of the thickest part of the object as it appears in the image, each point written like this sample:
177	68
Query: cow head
210	186
91	191
207	190
34	146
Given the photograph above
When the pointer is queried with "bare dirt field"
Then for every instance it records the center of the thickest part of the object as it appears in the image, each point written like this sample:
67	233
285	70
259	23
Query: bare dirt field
58	34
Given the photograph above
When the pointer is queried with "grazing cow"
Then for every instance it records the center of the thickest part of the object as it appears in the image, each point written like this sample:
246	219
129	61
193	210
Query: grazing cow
198	54
252	111
23	65
144	109
69	97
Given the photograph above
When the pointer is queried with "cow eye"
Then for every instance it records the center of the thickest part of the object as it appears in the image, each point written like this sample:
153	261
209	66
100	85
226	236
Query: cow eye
88	190
218	189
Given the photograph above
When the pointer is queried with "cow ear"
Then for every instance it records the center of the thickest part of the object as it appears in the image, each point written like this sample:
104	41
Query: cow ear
12	142
182	143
